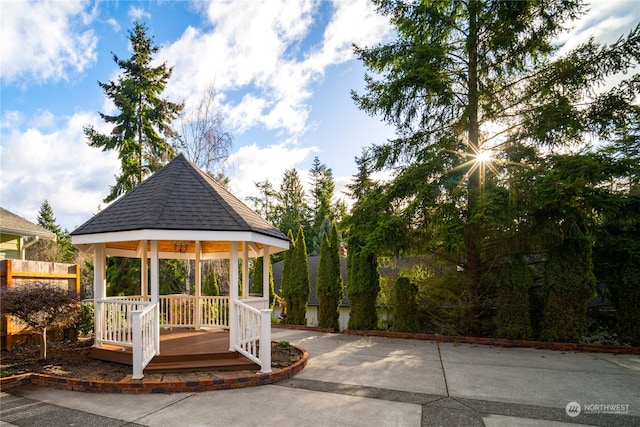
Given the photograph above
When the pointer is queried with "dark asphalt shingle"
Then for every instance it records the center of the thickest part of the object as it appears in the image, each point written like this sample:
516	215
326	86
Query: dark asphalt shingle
178	197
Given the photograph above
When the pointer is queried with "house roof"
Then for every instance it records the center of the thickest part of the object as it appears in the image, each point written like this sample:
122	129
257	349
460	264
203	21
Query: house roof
13	224
178	203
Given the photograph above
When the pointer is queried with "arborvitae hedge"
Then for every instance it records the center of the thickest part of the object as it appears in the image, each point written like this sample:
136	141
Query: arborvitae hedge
329	282
256	284
512	284
210	286
295	281
627	302
405	313
363	285
569	283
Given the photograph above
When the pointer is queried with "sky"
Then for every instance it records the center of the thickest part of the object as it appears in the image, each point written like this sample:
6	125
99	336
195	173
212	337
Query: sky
283	71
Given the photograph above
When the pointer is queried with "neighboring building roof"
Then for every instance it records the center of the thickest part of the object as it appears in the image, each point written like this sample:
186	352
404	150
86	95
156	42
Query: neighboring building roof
179	197
313	273
13	224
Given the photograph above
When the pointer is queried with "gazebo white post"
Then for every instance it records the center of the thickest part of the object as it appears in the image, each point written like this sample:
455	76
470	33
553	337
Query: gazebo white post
245	270
99	290
155	289
144	270
233	295
265	316
198	273
265	273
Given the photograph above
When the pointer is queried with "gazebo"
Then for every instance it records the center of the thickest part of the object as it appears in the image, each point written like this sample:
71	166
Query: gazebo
180	213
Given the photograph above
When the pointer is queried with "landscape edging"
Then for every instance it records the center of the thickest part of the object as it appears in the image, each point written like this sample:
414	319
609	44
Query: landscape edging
501	342
222	381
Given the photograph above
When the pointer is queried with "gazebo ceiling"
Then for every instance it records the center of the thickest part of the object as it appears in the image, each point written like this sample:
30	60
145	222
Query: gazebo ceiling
176	206
180	246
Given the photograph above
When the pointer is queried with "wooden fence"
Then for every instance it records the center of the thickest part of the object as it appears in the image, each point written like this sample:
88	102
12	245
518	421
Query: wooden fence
17	272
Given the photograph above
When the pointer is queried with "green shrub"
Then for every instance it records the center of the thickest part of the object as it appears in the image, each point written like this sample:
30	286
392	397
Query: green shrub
405	317
86	319
363	285
329	282
512	284
569	284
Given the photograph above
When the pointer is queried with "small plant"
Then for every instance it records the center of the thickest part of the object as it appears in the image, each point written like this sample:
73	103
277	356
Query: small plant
86	320
283	343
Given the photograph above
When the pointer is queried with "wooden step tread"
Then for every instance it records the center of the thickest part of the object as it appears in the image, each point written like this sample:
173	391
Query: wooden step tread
203	365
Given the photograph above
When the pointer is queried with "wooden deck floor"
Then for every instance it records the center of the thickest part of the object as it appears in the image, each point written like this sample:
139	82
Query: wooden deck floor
184	350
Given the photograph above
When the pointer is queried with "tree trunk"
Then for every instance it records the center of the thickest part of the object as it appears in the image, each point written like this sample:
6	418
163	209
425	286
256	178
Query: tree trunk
43	344
473	227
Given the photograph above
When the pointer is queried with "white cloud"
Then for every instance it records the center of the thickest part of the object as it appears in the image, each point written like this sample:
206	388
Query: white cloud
251	164
43	41
58	166
605	21
251	46
114	24
138	13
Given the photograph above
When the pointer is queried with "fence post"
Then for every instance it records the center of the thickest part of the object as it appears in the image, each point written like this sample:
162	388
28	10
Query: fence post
265	340
137	346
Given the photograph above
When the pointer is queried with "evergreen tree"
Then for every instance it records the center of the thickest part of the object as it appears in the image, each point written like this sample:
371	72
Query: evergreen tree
322	188
405	313
257	278
264	203
62	250
143	120
291	210
295	280
569	283
513	283
210	285
363	285
329	282
472	88
47	220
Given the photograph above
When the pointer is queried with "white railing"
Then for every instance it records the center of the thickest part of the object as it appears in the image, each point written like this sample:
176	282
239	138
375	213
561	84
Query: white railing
214	312
258	303
179	311
145	345
114	321
253	328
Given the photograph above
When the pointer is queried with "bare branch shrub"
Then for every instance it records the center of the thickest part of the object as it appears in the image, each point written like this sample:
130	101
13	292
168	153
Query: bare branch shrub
41	306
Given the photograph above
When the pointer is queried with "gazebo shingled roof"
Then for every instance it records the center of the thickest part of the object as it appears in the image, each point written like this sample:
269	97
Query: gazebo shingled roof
178	197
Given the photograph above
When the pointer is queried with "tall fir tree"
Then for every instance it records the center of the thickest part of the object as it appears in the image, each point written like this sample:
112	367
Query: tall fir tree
322	188
472	88
143	121
291	209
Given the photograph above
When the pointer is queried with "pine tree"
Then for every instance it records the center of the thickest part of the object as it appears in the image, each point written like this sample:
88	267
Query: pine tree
329	287
291	210
47	220
322	188
143	121
472	88
62	250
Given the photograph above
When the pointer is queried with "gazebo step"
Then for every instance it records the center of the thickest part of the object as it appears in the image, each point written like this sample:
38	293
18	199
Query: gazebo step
236	364
171	358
